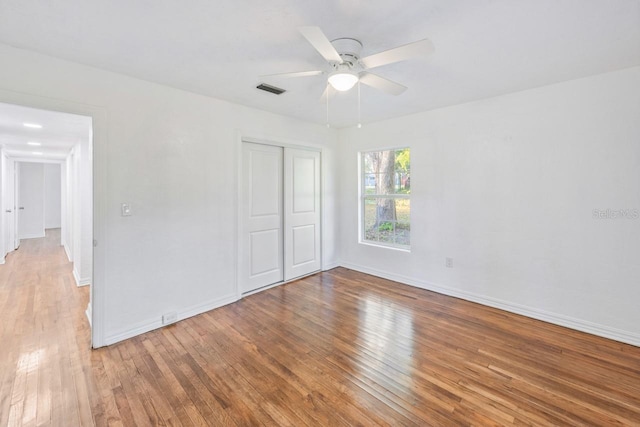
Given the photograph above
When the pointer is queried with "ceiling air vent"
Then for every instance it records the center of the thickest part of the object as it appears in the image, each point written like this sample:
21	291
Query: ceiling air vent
269	88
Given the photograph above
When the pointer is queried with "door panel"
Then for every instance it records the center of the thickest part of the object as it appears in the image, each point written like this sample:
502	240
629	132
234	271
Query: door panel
304	244
303	176
302	212
262	241
264	259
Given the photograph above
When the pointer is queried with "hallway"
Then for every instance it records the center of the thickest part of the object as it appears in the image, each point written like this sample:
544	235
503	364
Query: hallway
44	336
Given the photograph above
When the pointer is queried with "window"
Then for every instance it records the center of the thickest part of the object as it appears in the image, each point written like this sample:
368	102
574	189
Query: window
385	197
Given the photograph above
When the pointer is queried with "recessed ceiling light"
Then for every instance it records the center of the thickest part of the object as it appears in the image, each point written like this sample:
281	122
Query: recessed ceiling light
35	144
32	125
37	153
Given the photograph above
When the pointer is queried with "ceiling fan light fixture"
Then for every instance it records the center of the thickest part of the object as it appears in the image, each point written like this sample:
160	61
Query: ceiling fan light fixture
343	80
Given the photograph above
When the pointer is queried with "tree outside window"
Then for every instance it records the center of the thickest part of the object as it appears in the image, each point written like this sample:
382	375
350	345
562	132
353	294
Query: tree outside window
386	191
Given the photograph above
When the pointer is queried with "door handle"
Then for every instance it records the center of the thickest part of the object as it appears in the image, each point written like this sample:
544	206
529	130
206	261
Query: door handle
8	211
21	208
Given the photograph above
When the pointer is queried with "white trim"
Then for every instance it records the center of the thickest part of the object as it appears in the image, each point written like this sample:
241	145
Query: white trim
2	259
362	196
67	252
79	280
98	116
273	285
330	266
35	160
534	313
32	236
88	312
276	142
151	324
239	212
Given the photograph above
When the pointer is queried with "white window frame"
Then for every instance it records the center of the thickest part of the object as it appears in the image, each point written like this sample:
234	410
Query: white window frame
363	196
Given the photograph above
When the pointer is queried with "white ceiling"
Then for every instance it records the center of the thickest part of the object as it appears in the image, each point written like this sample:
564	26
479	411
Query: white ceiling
59	132
221	48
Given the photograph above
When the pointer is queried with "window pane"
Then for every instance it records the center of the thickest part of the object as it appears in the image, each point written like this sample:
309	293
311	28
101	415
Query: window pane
387	172
403	170
370	160
370	229
386	220
370	183
386	177
403	233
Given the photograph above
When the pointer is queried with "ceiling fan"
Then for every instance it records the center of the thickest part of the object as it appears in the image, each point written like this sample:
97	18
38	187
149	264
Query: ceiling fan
348	68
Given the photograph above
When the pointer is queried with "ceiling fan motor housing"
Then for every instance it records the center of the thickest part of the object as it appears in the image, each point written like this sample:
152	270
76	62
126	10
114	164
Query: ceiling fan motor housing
348	49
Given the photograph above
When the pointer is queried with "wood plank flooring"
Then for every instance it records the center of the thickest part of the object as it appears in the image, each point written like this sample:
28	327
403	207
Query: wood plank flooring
335	349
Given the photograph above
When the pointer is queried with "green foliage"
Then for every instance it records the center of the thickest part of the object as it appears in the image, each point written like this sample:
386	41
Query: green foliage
403	160
385	226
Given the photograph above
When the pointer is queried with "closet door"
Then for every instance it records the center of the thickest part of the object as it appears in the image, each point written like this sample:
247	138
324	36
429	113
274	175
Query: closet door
302	212
262	184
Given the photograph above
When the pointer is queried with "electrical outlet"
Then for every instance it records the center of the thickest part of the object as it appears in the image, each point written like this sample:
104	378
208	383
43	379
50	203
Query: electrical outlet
448	262
169	318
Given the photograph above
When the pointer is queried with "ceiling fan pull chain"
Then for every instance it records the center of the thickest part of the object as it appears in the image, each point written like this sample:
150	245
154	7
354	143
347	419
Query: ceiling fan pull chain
327	91
359	112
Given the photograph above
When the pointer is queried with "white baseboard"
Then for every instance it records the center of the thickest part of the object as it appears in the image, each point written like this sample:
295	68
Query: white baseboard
81	281
151	324
330	266
88	313
32	236
68	252
557	319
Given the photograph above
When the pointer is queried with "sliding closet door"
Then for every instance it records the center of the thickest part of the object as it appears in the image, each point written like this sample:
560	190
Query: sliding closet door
302	212
262	245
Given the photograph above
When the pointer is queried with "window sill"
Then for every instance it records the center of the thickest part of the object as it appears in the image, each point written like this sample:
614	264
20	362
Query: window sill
383	246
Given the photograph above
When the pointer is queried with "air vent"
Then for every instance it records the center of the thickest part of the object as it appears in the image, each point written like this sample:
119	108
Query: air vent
269	88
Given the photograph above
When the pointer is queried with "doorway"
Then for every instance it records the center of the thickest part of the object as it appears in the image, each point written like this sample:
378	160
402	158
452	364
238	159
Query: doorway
47	184
280	215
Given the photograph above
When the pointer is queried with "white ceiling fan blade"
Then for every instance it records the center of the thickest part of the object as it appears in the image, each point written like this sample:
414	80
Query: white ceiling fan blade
296	74
397	54
321	43
381	83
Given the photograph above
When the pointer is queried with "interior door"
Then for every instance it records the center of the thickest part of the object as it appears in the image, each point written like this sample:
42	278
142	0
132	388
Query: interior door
262	237
30	196
302	212
10	206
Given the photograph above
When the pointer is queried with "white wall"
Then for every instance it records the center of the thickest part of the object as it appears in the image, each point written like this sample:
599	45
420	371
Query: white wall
4	215
30	200
507	187
68	199
86	212
172	155
8	204
64	214
52	196
79	211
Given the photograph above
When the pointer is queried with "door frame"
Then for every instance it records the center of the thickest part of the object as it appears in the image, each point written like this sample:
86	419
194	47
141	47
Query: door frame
277	142
95	309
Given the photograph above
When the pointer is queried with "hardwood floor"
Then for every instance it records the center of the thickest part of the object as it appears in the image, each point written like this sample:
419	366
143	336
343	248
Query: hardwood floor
337	348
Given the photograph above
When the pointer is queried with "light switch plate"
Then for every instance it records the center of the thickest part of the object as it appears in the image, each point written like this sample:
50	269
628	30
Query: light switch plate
126	209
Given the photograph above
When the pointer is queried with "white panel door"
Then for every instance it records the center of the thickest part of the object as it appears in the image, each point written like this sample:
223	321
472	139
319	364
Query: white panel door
262	242
30	196
302	212
10	206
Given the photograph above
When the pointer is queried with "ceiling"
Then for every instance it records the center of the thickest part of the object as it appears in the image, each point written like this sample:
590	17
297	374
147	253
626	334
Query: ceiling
221	48
59	132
